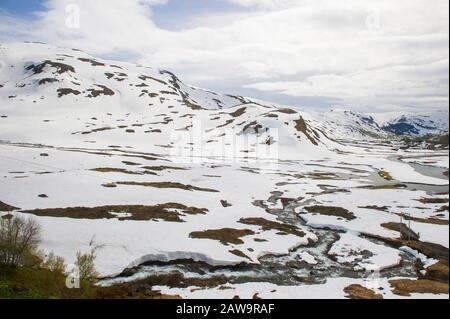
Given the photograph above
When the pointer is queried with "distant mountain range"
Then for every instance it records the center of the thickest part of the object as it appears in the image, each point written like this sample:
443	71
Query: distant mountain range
49	93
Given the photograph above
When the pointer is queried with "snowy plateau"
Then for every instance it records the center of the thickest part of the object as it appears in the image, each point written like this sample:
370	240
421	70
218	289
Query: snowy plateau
233	196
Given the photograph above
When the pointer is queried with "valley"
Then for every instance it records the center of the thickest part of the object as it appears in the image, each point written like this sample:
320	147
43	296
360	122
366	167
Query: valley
201	195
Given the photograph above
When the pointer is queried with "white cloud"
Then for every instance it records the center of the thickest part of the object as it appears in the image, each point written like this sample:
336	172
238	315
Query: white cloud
383	54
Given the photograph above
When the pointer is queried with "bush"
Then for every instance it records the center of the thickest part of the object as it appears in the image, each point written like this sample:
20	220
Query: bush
19	238
54	263
86	266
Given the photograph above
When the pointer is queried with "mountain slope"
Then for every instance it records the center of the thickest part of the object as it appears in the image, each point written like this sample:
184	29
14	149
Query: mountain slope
418	125
66	97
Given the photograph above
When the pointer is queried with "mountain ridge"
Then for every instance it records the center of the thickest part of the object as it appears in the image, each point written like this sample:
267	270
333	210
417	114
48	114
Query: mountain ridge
60	80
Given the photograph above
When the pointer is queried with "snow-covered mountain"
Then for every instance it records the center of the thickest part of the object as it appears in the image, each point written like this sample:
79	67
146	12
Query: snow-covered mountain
344	124
418	125
61	96
64	96
96	151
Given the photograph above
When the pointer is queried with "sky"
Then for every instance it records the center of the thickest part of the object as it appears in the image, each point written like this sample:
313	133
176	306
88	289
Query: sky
369	56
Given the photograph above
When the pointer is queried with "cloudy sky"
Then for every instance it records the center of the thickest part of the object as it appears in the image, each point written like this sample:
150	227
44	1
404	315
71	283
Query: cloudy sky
366	55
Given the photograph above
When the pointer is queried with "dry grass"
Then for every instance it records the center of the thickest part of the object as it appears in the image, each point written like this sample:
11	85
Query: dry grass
433	200
387	186
301	126
374	207
120	170
67	91
165	185
163	168
437	272
286	111
331	211
268	225
101	129
239	112
405	287
433	221
239	253
225	235
323	176
6	208
166	212
360	292
404	230
385	175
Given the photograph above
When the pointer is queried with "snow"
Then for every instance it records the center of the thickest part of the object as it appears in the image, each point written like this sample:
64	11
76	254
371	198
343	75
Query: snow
332	289
351	249
55	145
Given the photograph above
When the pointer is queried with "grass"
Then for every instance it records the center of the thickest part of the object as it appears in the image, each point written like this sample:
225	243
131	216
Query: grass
433	221
385	175
30	283
120	170
168	185
433	200
239	112
301	126
404	230
360	292
239	253
67	91
268	225
225	235
387	186
331	211
170	212
437	272
405	287
34	283
323	176
6	208
163	168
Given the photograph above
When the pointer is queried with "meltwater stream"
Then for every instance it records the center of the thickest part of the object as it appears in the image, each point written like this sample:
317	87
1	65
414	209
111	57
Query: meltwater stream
291	269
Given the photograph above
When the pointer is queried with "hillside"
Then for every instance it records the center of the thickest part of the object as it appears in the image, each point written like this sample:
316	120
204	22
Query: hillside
185	192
